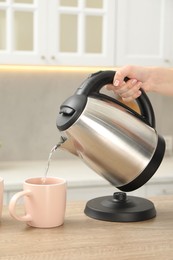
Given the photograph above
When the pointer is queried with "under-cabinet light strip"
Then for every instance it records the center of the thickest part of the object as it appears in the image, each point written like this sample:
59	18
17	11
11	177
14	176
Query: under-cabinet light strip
52	68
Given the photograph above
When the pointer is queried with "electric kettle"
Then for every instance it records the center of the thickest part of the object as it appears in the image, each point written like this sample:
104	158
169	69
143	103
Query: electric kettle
116	142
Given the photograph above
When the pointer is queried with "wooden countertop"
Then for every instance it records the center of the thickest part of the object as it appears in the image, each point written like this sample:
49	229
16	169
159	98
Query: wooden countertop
87	239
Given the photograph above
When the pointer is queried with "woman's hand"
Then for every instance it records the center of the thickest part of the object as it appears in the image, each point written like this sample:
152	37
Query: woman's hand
155	79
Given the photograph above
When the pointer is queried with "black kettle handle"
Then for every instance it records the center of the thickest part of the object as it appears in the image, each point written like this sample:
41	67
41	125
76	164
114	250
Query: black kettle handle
96	81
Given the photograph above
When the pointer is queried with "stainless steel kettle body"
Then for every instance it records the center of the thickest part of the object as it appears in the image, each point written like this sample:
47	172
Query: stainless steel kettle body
115	141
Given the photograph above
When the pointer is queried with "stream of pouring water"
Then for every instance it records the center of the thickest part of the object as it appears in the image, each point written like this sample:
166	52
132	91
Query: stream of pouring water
49	158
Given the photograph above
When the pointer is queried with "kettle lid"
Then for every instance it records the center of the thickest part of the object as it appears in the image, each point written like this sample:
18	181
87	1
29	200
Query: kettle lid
70	111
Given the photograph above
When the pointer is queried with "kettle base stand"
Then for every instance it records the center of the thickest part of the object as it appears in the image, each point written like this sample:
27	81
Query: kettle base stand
120	208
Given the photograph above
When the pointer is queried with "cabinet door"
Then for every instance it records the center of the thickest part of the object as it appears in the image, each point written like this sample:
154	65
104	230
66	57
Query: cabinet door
22	41
57	32
82	32
144	35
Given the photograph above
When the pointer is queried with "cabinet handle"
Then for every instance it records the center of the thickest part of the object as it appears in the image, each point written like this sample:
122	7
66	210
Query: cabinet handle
44	57
167	60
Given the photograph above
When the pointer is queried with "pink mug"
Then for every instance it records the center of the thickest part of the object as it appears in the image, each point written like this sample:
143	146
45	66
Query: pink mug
44	202
1	195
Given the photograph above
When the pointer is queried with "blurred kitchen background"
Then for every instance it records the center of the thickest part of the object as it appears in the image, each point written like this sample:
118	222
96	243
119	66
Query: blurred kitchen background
47	48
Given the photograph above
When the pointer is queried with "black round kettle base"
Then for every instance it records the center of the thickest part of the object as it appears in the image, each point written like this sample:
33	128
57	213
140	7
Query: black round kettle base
120	208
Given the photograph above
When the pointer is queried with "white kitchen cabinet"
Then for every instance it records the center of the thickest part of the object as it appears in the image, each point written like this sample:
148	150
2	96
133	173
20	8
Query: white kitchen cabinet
83	32
57	32
22	31
86	32
144	32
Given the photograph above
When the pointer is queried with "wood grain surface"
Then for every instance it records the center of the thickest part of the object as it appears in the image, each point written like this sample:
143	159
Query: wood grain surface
83	238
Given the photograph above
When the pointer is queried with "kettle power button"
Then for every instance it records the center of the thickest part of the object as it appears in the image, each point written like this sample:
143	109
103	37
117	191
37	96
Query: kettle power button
67	111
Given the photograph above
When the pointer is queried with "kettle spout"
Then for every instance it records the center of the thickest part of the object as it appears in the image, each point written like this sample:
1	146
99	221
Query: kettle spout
68	145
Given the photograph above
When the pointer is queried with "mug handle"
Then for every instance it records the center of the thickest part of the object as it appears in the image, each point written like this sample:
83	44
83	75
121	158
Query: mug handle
12	206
